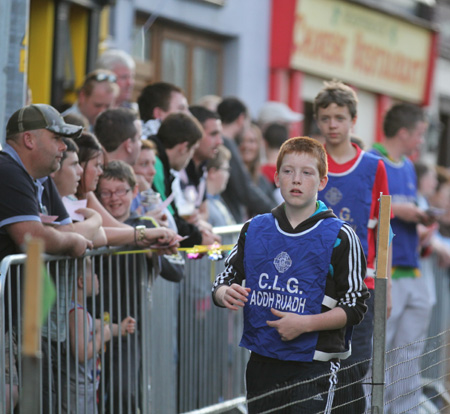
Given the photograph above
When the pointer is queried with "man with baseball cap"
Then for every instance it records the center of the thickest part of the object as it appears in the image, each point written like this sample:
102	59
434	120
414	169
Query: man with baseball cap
33	150
29	199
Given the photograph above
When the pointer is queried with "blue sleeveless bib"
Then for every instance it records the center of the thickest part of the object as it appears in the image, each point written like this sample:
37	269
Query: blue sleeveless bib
287	272
403	188
349	195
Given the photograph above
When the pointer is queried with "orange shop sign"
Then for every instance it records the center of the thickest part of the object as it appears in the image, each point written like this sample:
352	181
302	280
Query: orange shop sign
361	46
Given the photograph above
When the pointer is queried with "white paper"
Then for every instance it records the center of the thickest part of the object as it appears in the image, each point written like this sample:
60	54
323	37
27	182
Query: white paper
74	205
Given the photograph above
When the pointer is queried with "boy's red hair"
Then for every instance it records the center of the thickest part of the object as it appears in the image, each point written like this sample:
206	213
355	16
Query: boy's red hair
308	146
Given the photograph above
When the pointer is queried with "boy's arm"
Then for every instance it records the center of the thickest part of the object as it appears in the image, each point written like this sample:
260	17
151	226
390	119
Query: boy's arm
409	212
77	336
128	325
228	283
349	265
231	296
290	325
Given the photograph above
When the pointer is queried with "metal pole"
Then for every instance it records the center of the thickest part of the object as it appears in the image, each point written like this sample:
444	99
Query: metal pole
379	331
5	18
17	57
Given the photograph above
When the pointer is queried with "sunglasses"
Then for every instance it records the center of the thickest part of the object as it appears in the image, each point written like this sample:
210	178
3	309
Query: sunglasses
101	77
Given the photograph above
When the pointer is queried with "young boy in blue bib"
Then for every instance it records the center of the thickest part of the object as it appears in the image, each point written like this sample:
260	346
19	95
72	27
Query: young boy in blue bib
303	270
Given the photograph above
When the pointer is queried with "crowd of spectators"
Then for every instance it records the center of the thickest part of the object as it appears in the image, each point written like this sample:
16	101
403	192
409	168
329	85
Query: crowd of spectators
156	172
111	172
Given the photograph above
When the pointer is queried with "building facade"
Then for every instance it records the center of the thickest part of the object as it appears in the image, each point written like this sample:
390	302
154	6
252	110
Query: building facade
257	50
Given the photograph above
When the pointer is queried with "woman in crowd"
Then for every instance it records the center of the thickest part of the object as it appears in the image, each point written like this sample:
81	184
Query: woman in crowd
250	143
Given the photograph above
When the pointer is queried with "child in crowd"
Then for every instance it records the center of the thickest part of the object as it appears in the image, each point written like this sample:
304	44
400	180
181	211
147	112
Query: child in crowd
87	221
80	324
216	182
116	191
304	289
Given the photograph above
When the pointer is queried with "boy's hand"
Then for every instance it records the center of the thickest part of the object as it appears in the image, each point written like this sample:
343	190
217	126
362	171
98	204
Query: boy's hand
289	326
127	326
106	333
233	297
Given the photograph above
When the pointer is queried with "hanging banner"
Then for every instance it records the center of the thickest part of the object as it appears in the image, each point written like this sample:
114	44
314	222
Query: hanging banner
364	47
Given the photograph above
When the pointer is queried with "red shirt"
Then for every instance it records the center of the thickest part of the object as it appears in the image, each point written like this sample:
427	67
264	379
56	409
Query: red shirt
380	185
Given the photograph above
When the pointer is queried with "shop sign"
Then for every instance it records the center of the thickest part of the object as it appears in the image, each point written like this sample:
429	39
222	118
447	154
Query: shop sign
361	46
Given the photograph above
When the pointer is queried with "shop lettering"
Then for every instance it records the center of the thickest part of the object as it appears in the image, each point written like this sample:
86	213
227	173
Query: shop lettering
319	44
394	66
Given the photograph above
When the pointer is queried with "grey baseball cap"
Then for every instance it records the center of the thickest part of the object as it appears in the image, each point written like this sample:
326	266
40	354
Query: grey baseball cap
40	116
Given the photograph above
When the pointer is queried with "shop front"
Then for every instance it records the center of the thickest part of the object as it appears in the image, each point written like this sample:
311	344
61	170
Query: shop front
384	57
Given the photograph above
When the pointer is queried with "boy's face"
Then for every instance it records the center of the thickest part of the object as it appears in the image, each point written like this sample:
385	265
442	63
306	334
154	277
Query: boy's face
69	175
92	286
299	180
116	196
335	124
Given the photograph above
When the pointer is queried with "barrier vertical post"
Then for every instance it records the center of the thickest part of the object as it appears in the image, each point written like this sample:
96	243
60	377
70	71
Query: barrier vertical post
379	331
31	328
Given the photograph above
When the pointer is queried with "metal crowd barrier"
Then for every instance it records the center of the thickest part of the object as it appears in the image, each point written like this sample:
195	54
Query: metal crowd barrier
183	355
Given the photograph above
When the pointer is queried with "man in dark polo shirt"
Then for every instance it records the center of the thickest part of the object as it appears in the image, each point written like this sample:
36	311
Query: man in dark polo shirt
29	200
33	150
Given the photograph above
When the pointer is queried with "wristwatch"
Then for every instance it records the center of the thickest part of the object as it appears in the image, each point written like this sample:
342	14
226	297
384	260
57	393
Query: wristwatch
140	233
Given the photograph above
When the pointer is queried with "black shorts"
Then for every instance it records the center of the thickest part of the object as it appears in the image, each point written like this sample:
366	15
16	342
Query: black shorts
290	386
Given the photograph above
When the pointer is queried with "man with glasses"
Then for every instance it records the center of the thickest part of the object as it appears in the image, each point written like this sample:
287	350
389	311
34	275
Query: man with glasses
98	93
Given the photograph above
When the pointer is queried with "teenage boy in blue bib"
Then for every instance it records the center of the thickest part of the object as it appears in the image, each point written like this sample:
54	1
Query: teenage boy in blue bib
303	270
355	181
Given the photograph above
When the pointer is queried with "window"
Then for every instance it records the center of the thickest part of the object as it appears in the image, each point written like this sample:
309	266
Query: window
187	58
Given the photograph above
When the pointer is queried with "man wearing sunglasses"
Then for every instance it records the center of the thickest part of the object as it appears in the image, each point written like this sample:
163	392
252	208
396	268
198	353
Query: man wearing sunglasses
98	93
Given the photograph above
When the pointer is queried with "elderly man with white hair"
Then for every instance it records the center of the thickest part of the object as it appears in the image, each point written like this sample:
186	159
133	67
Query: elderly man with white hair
123	66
